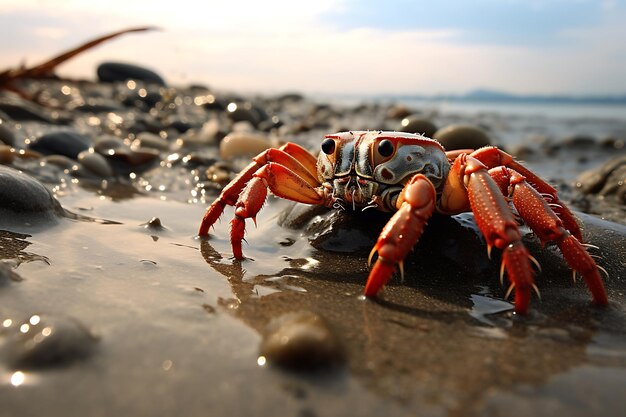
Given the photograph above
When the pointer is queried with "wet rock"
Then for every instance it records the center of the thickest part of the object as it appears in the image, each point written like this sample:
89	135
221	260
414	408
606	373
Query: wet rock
245	112
301	341
44	341
154	224
580	141
115	71
150	140
459	136
65	143
96	106
95	163
107	143
132	160
24	201
418	124
25	111
608	179
6	134
398	112
242	144
219	173
60	161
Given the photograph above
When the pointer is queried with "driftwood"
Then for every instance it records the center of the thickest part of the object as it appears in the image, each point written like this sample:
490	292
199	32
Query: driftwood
46	70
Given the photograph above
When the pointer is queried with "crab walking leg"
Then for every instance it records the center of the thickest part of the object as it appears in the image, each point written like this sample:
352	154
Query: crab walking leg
493	157
282	182
548	227
288	155
400	234
497	223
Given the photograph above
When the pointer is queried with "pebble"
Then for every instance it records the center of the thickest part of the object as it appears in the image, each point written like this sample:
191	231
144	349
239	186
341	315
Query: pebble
25	111
95	163
107	143
150	140
398	112
608	179
243	144
65	143
245	112
126	159
6	134
418	124
301	340
116	71
460	136
41	342
24	200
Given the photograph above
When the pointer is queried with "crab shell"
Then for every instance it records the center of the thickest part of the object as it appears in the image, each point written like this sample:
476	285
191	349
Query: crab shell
361	165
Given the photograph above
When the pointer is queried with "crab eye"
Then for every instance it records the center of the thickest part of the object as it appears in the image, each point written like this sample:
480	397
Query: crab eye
385	147
328	146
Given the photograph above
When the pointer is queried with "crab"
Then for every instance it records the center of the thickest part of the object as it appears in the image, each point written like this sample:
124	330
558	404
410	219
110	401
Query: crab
413	176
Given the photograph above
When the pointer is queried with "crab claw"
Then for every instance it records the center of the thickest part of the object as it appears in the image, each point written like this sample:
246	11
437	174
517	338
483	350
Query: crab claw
417	202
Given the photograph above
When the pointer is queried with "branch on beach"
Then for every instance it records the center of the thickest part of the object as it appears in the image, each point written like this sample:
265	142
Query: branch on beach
46	69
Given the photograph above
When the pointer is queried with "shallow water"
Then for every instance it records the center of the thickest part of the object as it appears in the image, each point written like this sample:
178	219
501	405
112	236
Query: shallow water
179	322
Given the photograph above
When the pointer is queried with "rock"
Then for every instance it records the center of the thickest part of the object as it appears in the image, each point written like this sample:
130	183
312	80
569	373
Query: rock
242	144
115	71
301	341
125	159
150	140
95	163
459	136
418	124
25	111
43	342
6	134
398	112
65	143
245	112
608	179
24	201
107	143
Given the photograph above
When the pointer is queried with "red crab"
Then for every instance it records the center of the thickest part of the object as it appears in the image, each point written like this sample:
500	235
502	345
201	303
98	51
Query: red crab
414	176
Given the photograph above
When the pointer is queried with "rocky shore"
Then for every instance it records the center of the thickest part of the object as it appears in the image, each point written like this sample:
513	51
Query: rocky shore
110	305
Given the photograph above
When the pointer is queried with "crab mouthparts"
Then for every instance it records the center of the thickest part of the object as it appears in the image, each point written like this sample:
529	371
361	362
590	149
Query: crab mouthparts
353	190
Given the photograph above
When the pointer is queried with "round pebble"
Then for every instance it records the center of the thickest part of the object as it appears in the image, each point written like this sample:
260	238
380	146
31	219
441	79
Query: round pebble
116	71
43	341
242	144
150	140
24	200
65	143
418	124
95	163
461	136
301	341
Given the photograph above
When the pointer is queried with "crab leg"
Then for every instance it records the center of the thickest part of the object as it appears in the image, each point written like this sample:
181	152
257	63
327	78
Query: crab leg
282	182
416	204
548	227
497	223
493	157
288	155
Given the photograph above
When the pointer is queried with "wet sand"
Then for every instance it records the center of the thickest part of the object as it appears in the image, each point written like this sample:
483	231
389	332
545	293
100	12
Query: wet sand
170	324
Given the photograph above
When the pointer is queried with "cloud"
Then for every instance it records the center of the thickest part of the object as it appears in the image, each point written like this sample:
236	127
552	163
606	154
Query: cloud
281	45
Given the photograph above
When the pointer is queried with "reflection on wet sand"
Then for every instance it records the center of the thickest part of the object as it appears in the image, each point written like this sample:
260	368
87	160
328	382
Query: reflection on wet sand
441	336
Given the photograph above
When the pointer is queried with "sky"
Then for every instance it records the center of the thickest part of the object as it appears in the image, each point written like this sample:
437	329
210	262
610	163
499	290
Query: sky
337	47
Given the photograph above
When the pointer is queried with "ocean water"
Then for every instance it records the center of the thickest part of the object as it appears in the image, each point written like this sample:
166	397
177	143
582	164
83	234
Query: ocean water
534	109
